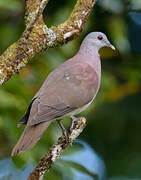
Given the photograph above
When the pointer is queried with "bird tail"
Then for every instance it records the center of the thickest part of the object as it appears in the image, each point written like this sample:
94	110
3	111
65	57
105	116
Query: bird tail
29	137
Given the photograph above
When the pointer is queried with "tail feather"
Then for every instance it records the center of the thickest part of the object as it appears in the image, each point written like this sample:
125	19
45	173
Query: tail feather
29	137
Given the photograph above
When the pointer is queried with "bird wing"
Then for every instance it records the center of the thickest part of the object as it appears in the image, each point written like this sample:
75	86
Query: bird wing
67	88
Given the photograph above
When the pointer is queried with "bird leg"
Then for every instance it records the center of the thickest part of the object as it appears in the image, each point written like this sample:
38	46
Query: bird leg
64	131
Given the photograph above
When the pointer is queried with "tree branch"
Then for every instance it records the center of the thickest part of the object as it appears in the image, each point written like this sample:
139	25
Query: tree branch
37	37
48	160
32	18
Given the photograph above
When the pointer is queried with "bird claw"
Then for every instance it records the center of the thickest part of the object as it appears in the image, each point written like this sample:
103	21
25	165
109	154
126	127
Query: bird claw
74	119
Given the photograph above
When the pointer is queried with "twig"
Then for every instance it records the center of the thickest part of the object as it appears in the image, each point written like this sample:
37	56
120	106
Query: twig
38	37
48	160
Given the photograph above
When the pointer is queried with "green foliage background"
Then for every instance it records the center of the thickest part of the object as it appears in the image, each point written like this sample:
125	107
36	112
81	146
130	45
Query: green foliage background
113	132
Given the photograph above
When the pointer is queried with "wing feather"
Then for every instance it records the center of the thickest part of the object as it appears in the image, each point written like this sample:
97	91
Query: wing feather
66	89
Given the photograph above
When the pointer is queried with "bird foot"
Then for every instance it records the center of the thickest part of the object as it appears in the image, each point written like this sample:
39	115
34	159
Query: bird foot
74	119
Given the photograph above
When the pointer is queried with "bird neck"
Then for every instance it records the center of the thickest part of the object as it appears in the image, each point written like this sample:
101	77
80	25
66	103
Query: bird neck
90	55
88	49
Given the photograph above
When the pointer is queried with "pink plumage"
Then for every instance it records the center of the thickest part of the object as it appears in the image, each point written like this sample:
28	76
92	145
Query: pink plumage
68	90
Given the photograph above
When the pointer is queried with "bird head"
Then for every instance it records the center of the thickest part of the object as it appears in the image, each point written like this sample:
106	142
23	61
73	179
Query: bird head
98	39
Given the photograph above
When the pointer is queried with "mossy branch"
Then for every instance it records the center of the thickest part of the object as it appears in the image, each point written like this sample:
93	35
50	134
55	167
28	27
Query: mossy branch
37	37
48	160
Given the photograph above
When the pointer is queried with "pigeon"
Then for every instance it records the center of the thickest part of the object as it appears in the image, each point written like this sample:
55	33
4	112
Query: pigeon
67	91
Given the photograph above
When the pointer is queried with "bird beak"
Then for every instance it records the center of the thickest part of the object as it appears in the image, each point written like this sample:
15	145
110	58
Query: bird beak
111	46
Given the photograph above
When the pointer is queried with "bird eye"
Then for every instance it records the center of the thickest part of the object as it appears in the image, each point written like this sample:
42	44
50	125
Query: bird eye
100	37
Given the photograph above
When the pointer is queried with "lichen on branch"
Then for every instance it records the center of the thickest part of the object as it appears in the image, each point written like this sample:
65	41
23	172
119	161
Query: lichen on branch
37	37
55	151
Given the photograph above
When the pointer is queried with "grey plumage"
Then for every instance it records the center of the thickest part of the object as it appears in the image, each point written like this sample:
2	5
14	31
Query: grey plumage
29	137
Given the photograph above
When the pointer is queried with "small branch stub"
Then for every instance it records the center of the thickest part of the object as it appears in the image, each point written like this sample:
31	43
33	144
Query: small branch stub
48	160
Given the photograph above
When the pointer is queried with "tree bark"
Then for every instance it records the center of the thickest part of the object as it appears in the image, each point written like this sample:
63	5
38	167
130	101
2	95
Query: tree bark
37	37
48	160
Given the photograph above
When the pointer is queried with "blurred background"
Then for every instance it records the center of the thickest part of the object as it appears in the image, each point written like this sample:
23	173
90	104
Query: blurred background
110	146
